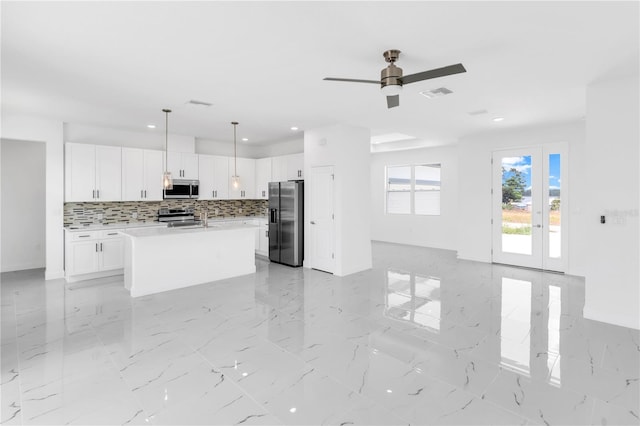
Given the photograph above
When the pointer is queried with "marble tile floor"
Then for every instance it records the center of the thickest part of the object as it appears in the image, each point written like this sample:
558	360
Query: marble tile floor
422	338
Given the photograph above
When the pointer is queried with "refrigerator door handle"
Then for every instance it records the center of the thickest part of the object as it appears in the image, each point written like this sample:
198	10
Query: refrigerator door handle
274	216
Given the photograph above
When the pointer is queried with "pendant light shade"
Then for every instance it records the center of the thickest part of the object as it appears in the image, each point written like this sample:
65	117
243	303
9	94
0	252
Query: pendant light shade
167	180
235	179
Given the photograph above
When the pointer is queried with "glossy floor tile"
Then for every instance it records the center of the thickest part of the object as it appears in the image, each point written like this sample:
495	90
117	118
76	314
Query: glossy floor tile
422	338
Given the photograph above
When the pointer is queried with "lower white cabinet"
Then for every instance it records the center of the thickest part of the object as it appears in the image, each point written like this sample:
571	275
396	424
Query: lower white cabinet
100	253
263	246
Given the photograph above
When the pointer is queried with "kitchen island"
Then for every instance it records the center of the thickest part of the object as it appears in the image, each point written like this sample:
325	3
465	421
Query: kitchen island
162	259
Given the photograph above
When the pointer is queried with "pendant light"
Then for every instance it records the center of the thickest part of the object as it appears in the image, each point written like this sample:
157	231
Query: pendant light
167	181
235	179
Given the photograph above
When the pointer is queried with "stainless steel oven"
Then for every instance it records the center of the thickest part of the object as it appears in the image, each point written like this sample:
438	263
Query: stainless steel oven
183	188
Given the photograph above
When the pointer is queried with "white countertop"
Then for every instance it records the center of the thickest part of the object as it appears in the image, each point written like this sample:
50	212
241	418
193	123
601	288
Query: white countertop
128	225
157	232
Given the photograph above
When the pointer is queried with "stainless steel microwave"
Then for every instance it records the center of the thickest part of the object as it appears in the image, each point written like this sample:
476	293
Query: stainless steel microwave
183	188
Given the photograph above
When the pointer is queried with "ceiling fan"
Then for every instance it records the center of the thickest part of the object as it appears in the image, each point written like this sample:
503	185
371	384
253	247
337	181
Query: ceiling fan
391	79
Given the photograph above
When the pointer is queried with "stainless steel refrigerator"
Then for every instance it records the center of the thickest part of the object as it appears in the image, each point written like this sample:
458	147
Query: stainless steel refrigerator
286	222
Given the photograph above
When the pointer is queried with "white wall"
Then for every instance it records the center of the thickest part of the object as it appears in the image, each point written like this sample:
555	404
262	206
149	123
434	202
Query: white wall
347	149
474	187
23	205
50	132
427	231
155	139
612	271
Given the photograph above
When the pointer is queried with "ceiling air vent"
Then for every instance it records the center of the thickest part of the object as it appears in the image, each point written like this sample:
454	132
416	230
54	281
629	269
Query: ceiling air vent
199	103
436	93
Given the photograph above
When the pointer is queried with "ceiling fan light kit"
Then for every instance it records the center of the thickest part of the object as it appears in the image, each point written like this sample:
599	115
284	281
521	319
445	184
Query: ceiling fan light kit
392	80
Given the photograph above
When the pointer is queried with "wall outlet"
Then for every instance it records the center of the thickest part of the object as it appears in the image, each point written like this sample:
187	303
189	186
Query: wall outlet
100	216
134	215
216	211
240	210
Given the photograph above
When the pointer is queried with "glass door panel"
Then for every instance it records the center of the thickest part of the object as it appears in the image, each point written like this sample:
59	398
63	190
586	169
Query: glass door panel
516	216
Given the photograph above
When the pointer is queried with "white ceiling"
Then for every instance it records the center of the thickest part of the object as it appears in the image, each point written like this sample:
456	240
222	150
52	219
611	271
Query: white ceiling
117	64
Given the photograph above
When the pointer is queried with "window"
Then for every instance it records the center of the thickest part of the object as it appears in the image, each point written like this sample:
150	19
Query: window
413	189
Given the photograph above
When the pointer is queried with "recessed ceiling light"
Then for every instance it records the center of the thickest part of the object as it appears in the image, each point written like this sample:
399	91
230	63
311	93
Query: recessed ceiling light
294	128
292	410
151	126
245	139
496	119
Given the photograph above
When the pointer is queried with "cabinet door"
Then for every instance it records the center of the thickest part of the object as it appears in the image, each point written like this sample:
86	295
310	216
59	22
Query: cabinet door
83	257
111	253
247	173
108	173
278	169
153	169
205	174
295	166
263	177
221	177
189	166
132	174
174	164
263	247
80	171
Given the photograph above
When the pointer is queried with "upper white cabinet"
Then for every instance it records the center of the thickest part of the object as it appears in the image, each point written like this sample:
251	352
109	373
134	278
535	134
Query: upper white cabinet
92	173
287	167
246	168
183	165
214	177
295	166
142	174
263	177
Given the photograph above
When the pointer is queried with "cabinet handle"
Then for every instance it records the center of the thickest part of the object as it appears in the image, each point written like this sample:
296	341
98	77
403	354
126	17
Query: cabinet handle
145	193
263	193
141	193
84	236
97	193
94	194
112	233
216	193
96	247
100	246
266	234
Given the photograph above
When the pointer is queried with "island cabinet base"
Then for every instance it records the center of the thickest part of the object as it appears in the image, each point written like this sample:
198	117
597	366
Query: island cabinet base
162	260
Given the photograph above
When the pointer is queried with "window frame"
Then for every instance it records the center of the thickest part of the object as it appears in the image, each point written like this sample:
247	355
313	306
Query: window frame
412	189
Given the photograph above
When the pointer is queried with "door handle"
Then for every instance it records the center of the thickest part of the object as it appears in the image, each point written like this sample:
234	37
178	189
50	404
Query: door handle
312	222
274	215
538	226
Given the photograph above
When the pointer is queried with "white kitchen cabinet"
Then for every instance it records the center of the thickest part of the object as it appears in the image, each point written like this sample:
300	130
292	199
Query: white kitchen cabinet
295	166
142	174
278	169
183	165
287	167
262	247
263	177
246	169
213	171
92	254
92	173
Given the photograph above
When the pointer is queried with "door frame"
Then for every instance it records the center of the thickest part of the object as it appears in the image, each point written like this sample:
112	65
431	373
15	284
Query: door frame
539	259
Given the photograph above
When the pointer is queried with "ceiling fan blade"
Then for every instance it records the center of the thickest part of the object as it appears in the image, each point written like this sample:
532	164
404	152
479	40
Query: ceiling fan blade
438	72
393	101
352	80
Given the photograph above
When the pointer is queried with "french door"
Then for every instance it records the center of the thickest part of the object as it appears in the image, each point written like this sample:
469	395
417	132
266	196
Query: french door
529	202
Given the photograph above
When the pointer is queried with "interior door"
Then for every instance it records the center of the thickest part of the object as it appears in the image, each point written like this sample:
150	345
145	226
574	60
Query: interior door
528	212
321	224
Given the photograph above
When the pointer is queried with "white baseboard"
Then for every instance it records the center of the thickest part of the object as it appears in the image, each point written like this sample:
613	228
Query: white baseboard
615	318
22	266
